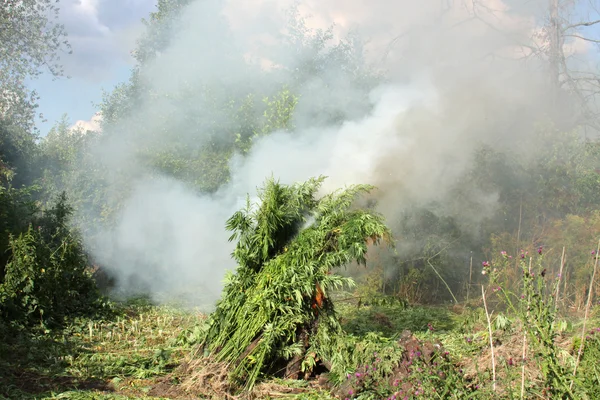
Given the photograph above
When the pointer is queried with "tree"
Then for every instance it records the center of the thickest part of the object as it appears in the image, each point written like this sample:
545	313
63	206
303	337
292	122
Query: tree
46	279
572	22
32	40
18	153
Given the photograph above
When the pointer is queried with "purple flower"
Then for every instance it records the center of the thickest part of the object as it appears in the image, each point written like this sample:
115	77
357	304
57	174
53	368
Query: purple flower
485	264
540	250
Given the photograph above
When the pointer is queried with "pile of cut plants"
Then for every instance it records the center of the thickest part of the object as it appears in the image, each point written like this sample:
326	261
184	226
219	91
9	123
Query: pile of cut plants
276	318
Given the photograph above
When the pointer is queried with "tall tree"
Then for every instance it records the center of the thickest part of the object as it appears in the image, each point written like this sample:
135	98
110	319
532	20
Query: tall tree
32	40
573	23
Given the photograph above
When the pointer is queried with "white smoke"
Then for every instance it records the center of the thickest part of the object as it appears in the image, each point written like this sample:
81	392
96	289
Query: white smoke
446	91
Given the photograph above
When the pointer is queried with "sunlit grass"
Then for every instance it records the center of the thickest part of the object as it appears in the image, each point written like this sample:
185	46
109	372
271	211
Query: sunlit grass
98	357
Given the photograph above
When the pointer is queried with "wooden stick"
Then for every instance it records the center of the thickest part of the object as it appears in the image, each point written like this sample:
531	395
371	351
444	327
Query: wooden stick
525	343
562	264
470	278
491	339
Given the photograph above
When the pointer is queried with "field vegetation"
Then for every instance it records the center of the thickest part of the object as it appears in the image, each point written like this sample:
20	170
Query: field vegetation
333	295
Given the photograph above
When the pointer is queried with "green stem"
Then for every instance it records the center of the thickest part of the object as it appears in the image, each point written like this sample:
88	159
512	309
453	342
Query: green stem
442	279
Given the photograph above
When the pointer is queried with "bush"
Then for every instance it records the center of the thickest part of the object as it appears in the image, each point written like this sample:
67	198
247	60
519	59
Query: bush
16	212
46	278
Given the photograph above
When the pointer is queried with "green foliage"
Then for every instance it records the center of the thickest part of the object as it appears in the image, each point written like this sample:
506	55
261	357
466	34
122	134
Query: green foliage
31	38
589	372
277	116
160	26
536	308
544	186
389	320
427	268
277	298
18	155
45	279
17	210
121	357
373	367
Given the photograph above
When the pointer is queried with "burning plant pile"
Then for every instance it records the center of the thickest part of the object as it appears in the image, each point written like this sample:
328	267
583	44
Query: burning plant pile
275	316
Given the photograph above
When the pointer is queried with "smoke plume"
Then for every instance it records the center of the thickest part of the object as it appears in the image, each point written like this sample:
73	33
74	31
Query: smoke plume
450	77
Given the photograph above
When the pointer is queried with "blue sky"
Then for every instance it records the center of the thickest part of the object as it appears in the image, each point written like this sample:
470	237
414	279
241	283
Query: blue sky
101	33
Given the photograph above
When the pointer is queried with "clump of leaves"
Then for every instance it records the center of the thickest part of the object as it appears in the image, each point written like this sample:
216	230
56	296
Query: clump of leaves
391	319
374	367
46	278
275	313
589	371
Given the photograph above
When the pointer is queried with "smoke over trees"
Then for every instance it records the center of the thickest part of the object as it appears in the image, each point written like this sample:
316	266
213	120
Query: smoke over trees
451	110
476	123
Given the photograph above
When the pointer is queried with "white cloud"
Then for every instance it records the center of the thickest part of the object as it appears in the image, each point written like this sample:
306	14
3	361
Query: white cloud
93	124
102	34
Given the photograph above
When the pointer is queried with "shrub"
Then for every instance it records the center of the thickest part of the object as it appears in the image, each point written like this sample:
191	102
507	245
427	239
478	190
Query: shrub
46	278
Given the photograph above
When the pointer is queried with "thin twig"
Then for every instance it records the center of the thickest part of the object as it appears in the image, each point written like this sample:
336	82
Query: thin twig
525	340
439	276
589	23
562	264
470	278
491	339
583	38
565	287
585	318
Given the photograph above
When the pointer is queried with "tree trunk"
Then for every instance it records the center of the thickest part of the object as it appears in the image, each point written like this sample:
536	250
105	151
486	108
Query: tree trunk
555	46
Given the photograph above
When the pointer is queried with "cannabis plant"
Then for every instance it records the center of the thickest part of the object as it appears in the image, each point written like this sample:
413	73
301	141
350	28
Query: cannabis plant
275	314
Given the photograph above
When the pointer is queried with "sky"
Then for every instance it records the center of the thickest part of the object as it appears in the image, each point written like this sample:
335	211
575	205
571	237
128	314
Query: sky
102	34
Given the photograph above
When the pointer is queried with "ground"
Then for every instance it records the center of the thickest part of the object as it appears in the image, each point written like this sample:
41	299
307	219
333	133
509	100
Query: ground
145	352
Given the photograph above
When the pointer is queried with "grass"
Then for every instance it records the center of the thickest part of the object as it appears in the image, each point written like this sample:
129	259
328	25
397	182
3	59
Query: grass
116	359
136	354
